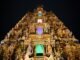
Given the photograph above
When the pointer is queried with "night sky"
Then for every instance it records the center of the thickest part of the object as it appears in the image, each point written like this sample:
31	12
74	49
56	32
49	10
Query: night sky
11	11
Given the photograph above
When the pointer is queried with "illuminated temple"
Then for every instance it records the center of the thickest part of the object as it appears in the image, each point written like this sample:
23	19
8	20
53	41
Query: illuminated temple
39	35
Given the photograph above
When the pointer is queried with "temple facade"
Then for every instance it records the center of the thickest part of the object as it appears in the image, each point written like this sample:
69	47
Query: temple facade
40	35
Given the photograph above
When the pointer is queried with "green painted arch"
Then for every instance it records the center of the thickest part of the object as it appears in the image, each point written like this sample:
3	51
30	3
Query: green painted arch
39	49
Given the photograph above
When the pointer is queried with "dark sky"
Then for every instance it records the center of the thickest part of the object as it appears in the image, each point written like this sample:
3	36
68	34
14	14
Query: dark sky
11	11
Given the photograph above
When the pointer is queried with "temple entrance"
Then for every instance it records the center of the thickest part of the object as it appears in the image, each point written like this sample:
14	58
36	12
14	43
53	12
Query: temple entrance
39	50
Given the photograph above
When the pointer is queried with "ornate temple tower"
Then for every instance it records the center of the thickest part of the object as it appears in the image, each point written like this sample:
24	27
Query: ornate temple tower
39	36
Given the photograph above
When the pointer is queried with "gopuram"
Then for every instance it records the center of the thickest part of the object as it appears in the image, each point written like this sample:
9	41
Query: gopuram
39	35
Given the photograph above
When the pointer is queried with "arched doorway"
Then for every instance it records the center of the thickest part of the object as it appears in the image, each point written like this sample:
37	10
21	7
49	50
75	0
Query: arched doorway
39	50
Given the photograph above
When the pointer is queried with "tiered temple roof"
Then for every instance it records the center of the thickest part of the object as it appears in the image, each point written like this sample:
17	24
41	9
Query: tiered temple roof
45	27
